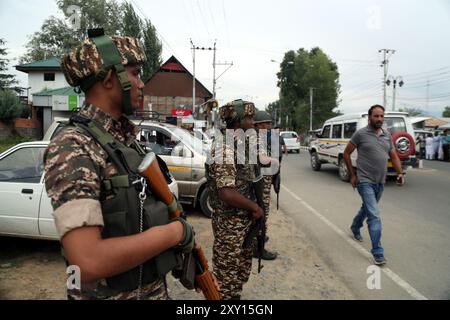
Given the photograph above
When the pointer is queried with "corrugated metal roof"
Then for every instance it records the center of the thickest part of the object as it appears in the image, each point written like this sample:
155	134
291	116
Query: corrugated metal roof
52	63
67	91
434	122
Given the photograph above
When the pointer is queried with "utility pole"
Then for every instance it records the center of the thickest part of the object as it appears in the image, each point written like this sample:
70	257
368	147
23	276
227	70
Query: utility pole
214	71
387	53
194	48
311	93
193	80
428	93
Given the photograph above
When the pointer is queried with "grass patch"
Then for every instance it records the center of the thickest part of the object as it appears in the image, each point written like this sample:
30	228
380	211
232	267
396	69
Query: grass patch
5	144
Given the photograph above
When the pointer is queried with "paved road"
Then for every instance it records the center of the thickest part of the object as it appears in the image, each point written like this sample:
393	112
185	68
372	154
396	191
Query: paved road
416	228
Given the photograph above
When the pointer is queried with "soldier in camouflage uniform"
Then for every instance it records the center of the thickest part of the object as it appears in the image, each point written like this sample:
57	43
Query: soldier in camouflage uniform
78	169
263	124
229	180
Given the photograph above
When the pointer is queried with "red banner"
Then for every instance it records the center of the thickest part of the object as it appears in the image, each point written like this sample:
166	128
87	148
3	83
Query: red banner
181	112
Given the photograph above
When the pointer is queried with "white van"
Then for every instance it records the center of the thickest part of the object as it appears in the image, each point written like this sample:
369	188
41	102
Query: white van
336	134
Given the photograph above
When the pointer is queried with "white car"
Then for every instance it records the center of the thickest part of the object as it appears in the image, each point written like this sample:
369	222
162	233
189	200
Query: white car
25	209
292	140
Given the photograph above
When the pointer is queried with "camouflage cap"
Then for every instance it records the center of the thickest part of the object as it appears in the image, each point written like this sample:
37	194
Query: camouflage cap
85	60
237	109
261	117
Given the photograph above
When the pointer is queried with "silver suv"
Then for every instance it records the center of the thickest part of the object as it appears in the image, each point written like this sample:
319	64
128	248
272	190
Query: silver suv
185	156
336	133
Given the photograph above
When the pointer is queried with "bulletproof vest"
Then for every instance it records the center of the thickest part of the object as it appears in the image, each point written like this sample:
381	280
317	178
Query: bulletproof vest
121	213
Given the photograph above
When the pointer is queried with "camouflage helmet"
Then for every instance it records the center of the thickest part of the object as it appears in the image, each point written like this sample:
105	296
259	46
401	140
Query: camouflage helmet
86	62
261	117
237	109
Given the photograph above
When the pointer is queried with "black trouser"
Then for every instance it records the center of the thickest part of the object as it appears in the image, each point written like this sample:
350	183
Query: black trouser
446	148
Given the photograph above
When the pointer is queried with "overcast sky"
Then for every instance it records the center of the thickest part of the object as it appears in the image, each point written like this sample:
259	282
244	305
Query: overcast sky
251	33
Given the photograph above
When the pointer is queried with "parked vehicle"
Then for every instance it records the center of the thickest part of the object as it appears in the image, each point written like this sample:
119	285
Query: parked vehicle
336	133
26	210
185	155
292	140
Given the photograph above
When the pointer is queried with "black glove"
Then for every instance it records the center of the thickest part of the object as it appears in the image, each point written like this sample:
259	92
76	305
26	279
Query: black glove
187	243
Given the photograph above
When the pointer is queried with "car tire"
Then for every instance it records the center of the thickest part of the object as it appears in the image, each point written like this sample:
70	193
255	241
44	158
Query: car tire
315	162
205	205
343	171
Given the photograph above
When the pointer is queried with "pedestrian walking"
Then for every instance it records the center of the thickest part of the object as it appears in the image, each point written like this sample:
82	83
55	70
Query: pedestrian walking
375	147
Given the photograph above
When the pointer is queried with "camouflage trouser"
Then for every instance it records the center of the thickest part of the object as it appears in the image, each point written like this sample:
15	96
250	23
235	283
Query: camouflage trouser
231	263
153	291
266	193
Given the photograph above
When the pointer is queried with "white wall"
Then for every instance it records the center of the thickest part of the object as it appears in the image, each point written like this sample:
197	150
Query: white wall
37	83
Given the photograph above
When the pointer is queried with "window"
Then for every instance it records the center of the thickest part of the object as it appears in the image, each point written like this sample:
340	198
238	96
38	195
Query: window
160	143
349	130
289	135
49	77
337	131
325	132
394	124
24	165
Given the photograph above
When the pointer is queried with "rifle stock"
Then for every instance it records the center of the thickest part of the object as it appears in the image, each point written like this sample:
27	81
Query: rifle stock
149	169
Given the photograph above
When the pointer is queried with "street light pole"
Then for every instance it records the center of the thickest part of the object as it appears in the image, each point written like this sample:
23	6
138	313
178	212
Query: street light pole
385	64
398	79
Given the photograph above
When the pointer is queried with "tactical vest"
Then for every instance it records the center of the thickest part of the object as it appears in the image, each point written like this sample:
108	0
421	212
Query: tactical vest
121	214
214	198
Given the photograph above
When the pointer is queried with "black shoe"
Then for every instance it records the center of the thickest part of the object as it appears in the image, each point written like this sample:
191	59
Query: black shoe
357	236
379	259
267	255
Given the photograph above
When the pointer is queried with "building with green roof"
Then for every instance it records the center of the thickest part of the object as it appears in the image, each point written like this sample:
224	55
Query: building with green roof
43	75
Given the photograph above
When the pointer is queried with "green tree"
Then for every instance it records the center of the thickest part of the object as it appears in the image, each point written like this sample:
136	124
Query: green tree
131	23
10	106
274	109
57	36
300	71
133	26
6	80
153	50
446	112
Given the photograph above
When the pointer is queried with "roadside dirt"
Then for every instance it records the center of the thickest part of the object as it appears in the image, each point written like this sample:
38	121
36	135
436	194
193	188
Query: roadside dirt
31	269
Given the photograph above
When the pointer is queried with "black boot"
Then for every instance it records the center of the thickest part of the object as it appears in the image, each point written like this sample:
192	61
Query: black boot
266	255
